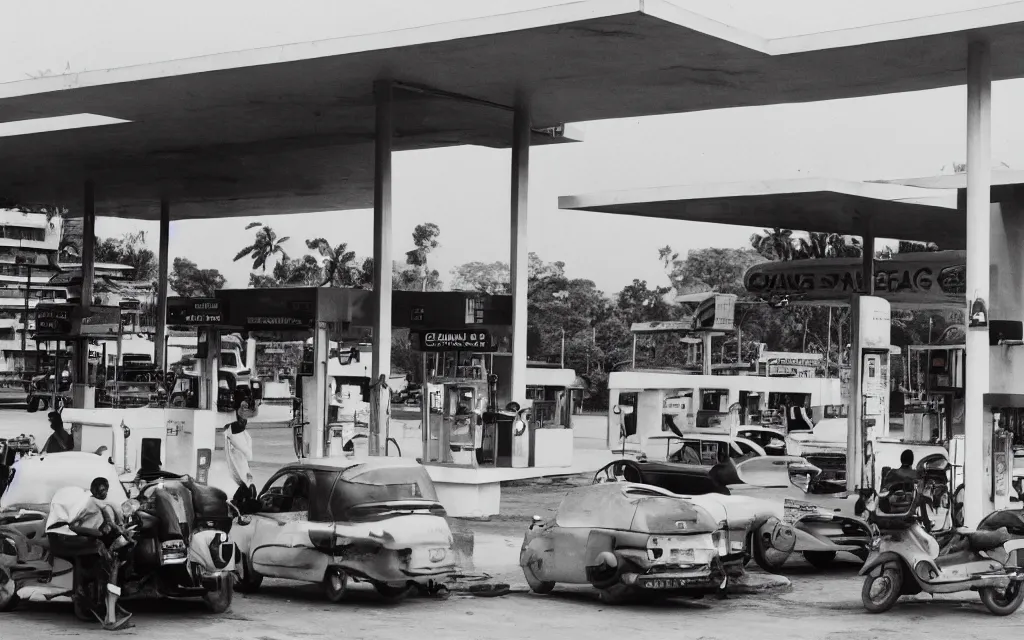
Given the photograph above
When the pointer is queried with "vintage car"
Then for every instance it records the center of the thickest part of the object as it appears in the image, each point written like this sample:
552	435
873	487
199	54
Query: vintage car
818	518
334	521
197	563
628	541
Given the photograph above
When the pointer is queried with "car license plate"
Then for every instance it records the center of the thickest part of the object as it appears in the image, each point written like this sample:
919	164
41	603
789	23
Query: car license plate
681	555
666	583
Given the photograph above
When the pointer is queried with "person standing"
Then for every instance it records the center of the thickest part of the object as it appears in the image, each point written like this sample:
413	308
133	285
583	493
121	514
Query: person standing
238	449
60	440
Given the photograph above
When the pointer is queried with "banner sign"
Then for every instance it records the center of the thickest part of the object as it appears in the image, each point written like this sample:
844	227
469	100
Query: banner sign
717	313
194	311
926	278
54	320
475	340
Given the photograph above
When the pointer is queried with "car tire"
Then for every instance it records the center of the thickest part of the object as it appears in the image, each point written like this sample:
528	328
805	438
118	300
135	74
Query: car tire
537	586
250	581
392	594
219	600
769	560
335	584
820	559
8	591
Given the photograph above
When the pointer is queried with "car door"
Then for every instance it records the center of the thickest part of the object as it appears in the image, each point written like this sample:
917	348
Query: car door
281	545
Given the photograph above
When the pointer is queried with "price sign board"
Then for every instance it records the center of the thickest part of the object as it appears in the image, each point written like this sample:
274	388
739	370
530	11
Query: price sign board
460	340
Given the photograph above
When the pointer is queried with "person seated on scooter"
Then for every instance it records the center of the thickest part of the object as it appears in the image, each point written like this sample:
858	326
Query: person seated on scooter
904	474
113	533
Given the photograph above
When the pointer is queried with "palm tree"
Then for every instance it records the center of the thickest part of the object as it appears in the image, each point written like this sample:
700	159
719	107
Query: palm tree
338	263
264	247
774	244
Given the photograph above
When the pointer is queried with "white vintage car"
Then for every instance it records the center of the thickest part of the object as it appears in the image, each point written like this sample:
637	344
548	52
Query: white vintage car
335	521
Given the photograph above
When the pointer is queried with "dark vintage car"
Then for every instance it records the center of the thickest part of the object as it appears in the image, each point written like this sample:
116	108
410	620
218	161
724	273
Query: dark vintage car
773	505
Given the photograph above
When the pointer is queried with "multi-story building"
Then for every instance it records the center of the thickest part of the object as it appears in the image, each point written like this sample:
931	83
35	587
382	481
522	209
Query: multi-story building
29	245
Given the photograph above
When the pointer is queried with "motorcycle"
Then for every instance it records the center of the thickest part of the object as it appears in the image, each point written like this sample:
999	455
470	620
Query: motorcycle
179	548
906	559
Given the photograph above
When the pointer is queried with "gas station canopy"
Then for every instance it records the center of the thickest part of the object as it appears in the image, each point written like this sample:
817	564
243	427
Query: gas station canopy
289	129
808	204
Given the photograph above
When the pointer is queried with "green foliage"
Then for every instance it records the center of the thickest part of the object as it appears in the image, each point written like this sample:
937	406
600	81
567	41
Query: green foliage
188	280
265	246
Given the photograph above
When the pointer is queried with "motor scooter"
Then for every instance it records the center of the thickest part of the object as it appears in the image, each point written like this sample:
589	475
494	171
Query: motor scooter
905	559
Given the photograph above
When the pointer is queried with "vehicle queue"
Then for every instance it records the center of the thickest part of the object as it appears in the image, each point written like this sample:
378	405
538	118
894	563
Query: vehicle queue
686	526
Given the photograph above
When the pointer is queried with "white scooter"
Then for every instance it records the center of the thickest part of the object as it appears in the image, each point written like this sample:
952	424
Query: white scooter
906	559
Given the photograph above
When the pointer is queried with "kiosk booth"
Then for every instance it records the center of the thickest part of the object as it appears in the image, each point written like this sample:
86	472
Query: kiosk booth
554	394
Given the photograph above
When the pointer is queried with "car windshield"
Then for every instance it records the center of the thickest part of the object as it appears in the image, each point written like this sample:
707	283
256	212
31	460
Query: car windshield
365	492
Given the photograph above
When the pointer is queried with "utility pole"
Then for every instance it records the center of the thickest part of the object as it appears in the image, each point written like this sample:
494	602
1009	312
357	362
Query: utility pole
563	347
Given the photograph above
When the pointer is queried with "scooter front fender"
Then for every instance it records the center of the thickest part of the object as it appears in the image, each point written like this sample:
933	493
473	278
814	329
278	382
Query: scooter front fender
878	559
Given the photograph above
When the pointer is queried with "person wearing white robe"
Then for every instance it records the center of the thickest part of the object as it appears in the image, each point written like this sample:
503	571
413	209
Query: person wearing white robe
238	449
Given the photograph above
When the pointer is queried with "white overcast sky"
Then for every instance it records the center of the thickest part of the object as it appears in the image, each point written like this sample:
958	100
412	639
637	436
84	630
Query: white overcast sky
884	137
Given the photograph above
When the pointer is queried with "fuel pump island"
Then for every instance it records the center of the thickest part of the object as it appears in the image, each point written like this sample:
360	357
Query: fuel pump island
472	440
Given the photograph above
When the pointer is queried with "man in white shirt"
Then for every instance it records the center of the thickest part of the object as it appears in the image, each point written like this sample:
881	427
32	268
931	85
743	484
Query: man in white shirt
238	449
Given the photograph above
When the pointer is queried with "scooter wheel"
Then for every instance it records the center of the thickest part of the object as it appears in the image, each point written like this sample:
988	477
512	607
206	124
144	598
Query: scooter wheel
880	592
1003	602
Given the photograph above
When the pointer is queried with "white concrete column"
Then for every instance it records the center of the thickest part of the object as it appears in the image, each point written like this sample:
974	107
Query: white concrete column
383	96
318	419
160	339
979	178
520	258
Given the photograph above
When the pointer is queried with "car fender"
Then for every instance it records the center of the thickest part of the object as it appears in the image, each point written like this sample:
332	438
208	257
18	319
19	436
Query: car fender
538	546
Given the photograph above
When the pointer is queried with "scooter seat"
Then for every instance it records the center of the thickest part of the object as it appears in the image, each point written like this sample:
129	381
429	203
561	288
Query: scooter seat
986	540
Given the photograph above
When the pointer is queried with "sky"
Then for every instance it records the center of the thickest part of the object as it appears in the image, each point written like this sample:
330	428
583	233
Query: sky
898	136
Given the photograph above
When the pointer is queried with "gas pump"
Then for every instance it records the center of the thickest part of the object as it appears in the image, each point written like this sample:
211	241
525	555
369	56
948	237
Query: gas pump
1004	417
868	418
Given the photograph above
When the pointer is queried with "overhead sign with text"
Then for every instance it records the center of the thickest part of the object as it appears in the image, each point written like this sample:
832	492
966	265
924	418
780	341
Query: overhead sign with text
461	340
911	279
194	311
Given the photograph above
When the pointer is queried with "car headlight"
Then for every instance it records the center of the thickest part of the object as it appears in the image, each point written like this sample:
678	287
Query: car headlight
129	507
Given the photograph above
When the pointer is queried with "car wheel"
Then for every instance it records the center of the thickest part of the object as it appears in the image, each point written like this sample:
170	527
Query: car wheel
392	594
335	584
250	581
769	559
219	600
8	591
537	586
820	559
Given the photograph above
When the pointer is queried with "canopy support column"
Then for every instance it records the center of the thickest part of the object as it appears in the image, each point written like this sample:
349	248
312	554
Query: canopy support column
520	258
979	179
160	340
383	91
